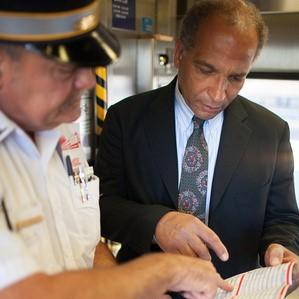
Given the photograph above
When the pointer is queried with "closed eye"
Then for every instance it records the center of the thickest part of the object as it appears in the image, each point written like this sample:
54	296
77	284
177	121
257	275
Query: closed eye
204	67
206	70
236	78
64	72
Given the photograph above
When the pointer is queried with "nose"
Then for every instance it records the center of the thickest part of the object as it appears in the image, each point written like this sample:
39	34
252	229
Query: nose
218	89
85	78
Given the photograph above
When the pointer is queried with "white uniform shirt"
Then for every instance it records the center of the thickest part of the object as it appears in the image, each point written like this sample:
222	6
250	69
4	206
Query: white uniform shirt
184	127
53	229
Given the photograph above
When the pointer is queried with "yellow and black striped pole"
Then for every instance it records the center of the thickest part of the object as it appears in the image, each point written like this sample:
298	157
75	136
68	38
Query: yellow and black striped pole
101	98
101	110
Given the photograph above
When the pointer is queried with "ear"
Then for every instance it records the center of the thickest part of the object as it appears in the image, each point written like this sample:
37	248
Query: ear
178	53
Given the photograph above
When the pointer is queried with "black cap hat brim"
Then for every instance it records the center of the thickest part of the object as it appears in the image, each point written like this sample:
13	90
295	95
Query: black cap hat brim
72	36
96	48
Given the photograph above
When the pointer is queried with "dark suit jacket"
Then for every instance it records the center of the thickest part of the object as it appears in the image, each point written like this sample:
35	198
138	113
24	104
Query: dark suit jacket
252	200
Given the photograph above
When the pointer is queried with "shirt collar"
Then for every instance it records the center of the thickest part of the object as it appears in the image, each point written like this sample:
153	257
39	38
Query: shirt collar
183	111
46	141
7	126
185	114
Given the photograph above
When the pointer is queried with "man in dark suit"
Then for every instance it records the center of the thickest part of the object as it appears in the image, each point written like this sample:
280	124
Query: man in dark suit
250	215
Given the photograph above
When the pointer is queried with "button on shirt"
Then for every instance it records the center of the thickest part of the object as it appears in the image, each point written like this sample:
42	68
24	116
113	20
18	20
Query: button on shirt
63	232
184	128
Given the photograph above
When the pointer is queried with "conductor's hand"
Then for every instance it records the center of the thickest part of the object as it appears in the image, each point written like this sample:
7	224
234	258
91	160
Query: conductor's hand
196	278
185	234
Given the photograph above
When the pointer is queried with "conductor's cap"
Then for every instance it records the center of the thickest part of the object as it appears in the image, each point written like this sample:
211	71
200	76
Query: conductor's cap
67	30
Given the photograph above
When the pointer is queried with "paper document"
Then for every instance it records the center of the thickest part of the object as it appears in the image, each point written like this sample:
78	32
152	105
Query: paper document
269	282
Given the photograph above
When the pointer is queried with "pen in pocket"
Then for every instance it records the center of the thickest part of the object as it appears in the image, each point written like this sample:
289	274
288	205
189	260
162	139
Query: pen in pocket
69	166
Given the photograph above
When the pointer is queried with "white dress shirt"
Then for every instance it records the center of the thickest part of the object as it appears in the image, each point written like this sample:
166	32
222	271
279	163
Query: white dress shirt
184	128
62	231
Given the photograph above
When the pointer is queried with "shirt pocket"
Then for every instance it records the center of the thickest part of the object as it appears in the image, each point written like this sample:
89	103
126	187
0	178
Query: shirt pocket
87	211
86	195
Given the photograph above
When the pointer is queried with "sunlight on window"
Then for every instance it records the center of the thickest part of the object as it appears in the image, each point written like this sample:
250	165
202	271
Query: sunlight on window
281	97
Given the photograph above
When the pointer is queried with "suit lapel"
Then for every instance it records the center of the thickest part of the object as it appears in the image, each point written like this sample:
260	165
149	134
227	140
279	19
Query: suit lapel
234	138
160	130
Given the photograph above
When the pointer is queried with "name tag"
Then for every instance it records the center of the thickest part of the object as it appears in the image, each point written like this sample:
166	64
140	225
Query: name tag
27	217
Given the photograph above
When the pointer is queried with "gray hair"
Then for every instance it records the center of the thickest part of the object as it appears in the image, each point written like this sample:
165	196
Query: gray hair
239	13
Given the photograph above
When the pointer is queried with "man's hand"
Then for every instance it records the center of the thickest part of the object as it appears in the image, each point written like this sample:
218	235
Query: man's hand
185	234
277	254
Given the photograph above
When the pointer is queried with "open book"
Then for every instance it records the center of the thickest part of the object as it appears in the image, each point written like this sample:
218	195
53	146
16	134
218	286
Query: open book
262	283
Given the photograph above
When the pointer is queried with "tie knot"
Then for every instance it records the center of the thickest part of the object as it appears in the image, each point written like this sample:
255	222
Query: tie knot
197	122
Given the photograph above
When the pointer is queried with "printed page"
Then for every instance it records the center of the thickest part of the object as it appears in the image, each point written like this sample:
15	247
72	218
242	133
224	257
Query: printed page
269	282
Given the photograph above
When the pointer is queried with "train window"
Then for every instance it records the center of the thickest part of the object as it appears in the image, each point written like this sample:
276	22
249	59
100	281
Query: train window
281	97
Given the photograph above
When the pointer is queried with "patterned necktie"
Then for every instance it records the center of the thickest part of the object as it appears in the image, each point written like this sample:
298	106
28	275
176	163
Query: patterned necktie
194	177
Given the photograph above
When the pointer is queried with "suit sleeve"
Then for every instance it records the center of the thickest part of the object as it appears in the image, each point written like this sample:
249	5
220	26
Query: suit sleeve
281	223
124	219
